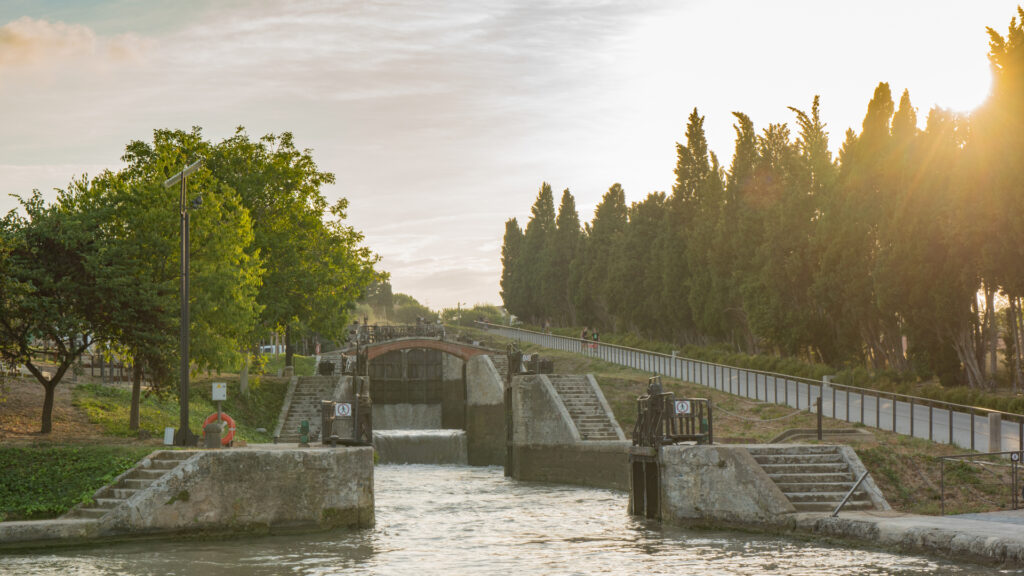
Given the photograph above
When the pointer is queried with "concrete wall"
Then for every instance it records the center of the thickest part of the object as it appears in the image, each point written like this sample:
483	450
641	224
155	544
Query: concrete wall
485	413
718	485
225	492
598	464
406	416
539	417
255	490
547	446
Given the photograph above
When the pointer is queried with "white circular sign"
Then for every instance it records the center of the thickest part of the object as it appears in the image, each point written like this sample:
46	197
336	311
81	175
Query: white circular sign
682	406
1015	456
342	409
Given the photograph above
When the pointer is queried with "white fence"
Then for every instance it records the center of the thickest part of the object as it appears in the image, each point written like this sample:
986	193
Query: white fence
965	426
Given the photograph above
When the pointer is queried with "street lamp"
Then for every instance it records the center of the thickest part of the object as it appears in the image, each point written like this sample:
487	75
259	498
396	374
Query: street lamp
184	437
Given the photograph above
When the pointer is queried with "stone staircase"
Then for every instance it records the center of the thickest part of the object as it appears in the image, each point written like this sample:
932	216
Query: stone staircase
815	478
305	405
500	362
584	407
136	479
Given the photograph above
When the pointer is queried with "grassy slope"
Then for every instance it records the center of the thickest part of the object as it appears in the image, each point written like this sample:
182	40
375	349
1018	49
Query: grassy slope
906	469
45	481
108	407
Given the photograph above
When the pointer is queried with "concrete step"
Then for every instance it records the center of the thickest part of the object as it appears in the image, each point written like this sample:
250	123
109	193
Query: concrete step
830	468
834	497
793	449
91	513
107	503
797	487
121	493
830	506
146	473
135	483
164	464
811	478
177	455
799	458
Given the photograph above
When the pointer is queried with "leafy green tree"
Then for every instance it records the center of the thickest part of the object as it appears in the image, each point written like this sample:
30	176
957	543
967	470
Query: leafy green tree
511	275
225	271
563	247
51	297
534	266
607	228
315	270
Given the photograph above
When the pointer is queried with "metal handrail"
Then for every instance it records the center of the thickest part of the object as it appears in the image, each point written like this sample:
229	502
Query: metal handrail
925	401
864	391
805	380
848	494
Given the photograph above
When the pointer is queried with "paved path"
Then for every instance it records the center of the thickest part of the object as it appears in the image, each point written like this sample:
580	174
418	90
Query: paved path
1003	516
989	538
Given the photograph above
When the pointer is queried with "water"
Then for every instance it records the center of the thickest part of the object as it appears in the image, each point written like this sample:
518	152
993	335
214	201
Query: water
461	520
421	446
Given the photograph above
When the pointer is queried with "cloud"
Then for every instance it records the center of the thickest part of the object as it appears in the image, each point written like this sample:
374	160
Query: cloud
31	43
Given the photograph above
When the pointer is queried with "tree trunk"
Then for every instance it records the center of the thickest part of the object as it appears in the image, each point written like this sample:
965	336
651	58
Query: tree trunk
963	343
993	335
1018	343
288	351
47	425
133	413
243	376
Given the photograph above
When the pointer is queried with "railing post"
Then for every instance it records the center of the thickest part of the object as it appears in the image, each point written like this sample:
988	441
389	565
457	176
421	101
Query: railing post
972	430
931	413
911	416
819	417
894	412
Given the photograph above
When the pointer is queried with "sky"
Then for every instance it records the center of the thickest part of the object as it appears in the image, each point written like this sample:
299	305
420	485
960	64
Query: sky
441	118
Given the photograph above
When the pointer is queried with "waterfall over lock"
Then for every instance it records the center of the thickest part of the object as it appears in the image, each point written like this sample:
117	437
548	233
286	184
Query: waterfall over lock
412	434
421	446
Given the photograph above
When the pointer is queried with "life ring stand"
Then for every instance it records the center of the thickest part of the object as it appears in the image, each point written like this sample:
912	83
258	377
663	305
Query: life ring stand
226	440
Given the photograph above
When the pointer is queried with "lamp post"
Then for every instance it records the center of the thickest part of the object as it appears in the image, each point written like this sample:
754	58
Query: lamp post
184	437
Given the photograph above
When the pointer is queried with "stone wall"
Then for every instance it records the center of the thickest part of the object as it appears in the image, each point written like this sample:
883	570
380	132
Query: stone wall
718	485
255	490
597	464
226	492
485	413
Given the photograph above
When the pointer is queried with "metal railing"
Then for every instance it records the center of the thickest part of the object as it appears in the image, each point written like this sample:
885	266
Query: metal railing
662	419
968	427
997	481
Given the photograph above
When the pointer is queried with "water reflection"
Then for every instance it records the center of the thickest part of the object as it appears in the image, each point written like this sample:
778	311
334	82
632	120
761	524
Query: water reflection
461	520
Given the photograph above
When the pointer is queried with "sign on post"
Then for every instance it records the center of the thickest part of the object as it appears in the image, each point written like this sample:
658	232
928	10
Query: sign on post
342	409
682	407
1015	456
220	391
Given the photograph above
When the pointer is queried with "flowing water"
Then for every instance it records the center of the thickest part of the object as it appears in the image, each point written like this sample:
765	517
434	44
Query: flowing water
474	521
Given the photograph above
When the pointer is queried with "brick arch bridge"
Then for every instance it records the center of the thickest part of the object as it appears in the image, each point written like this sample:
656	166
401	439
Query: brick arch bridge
458	349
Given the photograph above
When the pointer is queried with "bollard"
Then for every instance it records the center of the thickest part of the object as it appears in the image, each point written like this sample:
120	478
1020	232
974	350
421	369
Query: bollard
995	432
211	434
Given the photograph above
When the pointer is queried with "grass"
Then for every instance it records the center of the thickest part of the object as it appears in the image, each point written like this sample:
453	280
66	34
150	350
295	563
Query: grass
907	470
304	365
44	481
108	407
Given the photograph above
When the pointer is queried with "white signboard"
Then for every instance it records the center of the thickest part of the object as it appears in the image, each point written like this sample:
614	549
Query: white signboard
342	409
220	391
1015	456
682	407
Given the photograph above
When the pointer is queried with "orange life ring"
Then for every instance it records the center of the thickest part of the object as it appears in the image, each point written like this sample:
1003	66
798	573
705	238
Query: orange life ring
231	427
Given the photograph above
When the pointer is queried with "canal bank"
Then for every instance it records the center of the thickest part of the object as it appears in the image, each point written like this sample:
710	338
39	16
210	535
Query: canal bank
473	520
795	489
259	490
